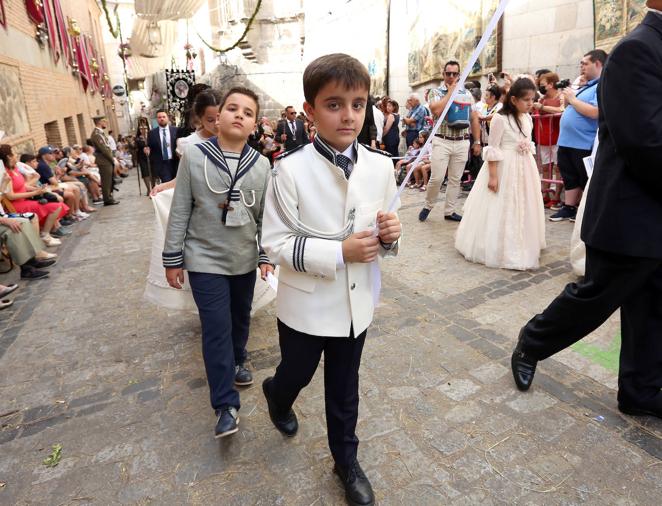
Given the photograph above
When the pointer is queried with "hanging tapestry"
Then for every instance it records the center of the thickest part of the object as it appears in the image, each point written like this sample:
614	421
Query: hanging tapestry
3	19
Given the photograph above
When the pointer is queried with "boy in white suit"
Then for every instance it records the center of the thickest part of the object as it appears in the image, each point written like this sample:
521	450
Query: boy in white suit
325	224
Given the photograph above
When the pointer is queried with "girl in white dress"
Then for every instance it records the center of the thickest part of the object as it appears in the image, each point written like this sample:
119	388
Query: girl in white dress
157	290
503	223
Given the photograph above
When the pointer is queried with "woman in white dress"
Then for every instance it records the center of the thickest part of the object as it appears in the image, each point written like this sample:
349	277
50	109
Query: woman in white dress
157	290
503	223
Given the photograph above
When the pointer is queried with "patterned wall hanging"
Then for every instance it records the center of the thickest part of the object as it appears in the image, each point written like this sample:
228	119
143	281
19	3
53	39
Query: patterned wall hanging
178	85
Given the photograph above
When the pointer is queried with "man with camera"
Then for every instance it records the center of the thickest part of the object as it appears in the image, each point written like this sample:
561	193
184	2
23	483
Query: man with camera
579	124
450	146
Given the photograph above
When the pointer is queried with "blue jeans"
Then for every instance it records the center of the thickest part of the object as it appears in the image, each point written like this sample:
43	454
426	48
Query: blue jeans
224	304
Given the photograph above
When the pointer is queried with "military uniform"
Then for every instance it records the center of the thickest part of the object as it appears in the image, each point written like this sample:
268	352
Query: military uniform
105	161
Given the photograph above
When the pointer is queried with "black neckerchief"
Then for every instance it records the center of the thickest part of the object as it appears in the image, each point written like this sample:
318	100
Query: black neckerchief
247	159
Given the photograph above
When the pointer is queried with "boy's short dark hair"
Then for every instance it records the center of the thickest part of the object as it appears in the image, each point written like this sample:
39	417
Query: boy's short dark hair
27	158
337	67
241	90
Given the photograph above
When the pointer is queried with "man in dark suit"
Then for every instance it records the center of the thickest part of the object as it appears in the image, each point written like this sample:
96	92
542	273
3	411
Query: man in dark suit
622	230
161	144
290	131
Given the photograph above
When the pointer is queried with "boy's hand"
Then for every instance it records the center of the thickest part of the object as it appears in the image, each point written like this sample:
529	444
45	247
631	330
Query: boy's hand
361	247
266	269
389	227
175	277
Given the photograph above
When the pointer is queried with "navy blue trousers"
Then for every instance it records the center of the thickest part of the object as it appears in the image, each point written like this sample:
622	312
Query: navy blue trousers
224	305
411	136
168	171
300	356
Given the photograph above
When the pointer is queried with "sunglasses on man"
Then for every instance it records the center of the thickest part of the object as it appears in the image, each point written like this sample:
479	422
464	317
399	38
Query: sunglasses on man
452	74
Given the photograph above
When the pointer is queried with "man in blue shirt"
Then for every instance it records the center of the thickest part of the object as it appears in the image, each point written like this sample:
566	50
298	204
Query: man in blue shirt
415	120
579	124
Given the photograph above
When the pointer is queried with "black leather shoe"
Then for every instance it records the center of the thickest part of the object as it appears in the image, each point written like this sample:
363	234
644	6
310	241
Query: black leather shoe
453	217
242	376
110	202
652	407
523	366
41	264
286	423
358	491
423	215
227	424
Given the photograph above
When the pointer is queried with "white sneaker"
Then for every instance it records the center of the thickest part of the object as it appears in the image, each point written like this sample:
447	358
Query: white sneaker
82	215
50	241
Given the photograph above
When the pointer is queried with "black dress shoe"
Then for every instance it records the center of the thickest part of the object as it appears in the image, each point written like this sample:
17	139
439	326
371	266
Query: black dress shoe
30	273
227	423
523	366
242	376
453	217
110	202
652	407
41	264
286	423
358	491
423	215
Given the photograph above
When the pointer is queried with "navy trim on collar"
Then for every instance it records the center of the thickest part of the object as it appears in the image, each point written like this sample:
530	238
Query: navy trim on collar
329	153
247	159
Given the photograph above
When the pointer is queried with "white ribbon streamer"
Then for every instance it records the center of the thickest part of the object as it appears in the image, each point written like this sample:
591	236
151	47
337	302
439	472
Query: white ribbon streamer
491	26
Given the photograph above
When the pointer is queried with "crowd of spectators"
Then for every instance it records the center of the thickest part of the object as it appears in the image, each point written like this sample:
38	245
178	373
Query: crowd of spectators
43	196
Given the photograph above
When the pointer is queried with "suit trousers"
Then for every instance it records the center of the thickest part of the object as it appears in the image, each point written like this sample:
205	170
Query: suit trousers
447	157
224	304
300	356
167	171
612	281
106	174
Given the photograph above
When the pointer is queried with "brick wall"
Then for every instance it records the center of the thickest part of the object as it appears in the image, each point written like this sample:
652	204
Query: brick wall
50	91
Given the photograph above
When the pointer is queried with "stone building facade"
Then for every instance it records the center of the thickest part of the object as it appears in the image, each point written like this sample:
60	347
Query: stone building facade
42	102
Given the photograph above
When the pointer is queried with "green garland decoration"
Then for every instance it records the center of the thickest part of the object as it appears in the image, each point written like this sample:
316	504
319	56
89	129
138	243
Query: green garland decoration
113	31
240	39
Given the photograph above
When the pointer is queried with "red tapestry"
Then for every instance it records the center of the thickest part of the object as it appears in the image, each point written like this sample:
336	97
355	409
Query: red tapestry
52	29
35	11
65	43
3	19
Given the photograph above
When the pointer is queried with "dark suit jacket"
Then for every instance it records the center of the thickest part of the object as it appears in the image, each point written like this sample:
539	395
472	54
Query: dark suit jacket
156	150
623	211
292	141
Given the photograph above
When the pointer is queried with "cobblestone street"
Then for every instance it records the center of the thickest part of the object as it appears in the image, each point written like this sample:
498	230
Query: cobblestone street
120	384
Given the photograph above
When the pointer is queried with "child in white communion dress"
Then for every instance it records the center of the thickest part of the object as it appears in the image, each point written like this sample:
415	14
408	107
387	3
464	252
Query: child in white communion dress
503	223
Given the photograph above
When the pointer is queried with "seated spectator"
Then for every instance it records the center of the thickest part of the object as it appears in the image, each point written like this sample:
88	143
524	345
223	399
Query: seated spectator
422	171
16	191
24	245
76	168
46	156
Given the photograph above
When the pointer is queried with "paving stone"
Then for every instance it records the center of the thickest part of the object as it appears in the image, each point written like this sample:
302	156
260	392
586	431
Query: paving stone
458	389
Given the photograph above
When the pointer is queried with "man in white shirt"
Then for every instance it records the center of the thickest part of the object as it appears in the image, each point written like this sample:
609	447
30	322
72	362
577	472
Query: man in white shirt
161	148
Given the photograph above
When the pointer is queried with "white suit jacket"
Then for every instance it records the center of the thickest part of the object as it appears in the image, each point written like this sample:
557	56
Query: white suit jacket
314	296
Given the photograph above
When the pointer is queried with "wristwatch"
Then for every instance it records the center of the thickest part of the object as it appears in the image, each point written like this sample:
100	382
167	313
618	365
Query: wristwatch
477	143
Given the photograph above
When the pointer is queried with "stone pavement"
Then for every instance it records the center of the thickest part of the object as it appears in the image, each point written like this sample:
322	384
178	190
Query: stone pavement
86	363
